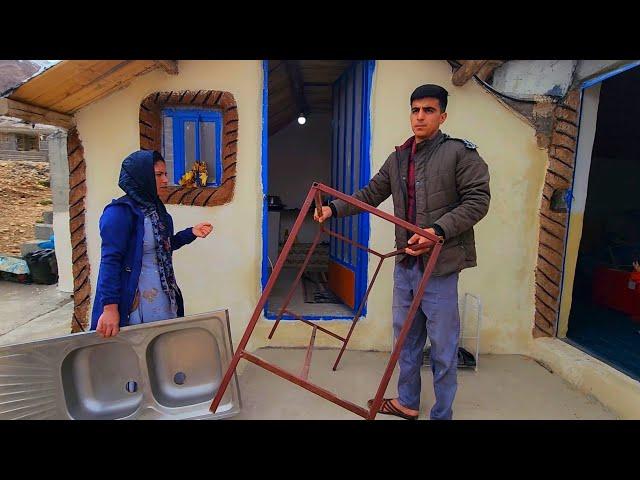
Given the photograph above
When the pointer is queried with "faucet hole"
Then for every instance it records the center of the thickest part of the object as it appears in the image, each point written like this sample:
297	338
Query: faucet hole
179	378
131	386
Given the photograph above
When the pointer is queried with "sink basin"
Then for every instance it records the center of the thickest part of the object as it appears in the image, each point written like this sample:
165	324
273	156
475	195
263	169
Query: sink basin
162	370
101	381
184	367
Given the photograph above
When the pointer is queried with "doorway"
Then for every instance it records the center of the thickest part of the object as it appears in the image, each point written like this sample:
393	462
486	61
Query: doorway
600	310
318	130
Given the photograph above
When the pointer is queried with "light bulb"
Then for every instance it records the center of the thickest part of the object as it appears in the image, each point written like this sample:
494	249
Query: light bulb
301	119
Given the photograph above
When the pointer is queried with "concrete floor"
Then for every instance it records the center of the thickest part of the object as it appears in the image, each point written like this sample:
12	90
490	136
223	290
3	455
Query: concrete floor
33	312
506	387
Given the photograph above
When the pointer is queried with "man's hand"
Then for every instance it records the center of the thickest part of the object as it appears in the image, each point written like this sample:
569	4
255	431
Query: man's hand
325	215
109	321
422	244
202	229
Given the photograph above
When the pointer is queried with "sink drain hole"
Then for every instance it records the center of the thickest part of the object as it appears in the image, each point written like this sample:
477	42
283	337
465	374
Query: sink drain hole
179	378
131	386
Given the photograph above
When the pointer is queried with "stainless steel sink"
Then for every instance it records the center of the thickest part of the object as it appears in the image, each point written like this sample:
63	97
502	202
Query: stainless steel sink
184	367
100	381
161	370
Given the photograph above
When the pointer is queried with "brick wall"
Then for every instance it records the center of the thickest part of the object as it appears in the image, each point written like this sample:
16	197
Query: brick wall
553	225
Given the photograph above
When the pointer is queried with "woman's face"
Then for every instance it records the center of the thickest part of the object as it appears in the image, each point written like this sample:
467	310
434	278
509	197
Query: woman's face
160	169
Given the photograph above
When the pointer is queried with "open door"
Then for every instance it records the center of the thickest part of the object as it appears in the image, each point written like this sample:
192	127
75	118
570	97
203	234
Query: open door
316	130
350	172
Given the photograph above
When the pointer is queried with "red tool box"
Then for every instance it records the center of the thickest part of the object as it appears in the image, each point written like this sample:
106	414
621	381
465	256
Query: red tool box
617	289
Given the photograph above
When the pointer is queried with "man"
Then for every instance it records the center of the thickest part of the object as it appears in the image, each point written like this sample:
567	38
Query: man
440	184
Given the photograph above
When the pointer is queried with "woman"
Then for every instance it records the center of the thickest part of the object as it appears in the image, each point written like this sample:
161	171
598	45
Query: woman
136	282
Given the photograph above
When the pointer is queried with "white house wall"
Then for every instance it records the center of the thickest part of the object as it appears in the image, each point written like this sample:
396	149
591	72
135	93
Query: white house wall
224	270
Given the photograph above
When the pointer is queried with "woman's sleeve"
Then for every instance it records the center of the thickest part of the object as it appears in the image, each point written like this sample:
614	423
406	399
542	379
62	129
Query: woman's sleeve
182	238
115	230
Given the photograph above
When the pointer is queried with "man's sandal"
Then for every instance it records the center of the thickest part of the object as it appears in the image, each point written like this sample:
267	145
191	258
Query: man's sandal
388	408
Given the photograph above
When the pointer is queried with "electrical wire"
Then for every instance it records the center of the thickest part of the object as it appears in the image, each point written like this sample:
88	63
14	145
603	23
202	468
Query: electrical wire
493	90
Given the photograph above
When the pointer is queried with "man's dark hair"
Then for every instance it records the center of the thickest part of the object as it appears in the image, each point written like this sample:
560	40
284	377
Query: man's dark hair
431	91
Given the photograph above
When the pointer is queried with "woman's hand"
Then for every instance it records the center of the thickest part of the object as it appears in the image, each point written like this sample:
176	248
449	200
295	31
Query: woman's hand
202	229
109	321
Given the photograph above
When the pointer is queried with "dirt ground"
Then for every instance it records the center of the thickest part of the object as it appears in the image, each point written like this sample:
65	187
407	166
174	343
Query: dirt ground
24	196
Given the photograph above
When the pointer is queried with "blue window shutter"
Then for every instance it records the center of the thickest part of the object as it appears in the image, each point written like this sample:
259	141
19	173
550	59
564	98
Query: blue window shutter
180	116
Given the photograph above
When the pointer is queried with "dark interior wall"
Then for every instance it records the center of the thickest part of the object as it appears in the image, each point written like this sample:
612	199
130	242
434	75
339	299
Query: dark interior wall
614	176
617	127
614	188
298	156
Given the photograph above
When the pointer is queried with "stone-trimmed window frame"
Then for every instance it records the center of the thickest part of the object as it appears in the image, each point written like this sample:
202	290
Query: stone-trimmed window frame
150	122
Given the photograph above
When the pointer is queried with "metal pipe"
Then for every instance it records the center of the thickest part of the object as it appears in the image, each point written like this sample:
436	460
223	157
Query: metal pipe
322	329
378	213
326	394
307	358
361	247
357	316
263	300
417	298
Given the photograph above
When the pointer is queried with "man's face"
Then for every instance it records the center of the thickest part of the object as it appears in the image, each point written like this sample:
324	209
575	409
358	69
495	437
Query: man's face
160	169
426	118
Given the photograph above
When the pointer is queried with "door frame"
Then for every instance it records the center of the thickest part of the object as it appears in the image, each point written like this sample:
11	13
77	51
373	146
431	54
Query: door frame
361	274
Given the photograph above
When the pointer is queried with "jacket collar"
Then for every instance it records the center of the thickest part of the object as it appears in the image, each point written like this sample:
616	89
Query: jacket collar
408	144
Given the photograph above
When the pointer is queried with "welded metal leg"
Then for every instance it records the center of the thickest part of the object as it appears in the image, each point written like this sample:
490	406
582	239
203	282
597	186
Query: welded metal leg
357	317
261	303
377	401
307	359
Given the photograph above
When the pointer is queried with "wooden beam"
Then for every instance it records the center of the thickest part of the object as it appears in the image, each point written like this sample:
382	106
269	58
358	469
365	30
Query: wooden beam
487	69
273	129
297	85
288	108
110	81
169	66
33	114
285	117
467	70
279	89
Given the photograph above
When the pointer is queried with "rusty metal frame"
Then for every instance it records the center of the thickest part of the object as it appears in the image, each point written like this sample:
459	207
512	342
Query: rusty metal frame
315	193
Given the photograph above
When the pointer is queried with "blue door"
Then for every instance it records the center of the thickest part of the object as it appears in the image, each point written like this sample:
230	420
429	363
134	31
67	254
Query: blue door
350	171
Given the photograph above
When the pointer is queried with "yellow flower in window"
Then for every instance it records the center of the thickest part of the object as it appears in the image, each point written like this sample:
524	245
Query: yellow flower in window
196	177
188	180
200	171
